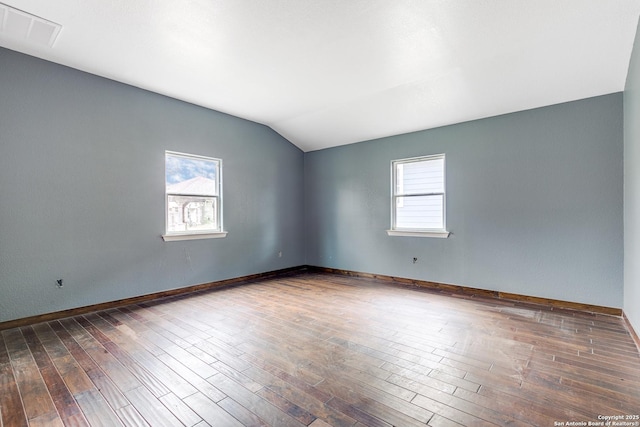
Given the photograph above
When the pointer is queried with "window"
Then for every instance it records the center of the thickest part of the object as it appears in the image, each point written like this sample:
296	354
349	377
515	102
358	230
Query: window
418	197
193	187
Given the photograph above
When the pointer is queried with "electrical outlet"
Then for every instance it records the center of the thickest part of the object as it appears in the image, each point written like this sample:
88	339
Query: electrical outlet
59	283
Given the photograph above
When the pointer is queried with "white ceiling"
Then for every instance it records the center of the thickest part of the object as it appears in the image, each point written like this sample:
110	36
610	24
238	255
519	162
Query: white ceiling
324	73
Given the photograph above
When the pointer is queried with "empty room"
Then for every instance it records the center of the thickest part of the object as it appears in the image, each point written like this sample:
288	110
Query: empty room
319	213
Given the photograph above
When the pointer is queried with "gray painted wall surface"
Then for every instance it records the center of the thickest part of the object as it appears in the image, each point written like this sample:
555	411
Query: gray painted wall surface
82	191
632	189
534	199
534	204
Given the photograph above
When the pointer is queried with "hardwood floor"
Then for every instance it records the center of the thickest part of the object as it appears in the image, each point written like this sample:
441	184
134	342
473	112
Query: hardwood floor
320	350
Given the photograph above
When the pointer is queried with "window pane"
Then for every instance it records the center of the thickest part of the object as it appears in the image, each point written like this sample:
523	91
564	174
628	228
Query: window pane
420	177
192	213
420	212
191	175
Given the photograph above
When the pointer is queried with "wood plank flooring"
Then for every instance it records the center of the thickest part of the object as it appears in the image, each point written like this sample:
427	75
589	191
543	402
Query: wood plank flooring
320	350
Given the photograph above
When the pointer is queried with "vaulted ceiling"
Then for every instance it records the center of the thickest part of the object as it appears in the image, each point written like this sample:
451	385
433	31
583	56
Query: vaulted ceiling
324	73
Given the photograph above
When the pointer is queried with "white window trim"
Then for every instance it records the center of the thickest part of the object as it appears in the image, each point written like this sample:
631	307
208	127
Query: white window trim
400	232
442	234
197	235
194	236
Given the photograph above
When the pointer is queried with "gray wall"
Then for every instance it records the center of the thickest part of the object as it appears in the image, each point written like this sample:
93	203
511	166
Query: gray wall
534	198
82	191
632	189
534	204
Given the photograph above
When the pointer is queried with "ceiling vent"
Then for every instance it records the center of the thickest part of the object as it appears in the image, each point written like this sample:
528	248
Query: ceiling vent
20	25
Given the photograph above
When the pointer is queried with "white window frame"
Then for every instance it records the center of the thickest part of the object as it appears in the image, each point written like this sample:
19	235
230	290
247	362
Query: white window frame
195	234
396	193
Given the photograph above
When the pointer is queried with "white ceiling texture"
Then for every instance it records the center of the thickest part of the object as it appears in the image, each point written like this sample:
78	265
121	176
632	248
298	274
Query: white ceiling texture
324	73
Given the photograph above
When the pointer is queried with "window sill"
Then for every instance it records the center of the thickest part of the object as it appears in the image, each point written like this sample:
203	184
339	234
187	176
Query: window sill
194	236
441	234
